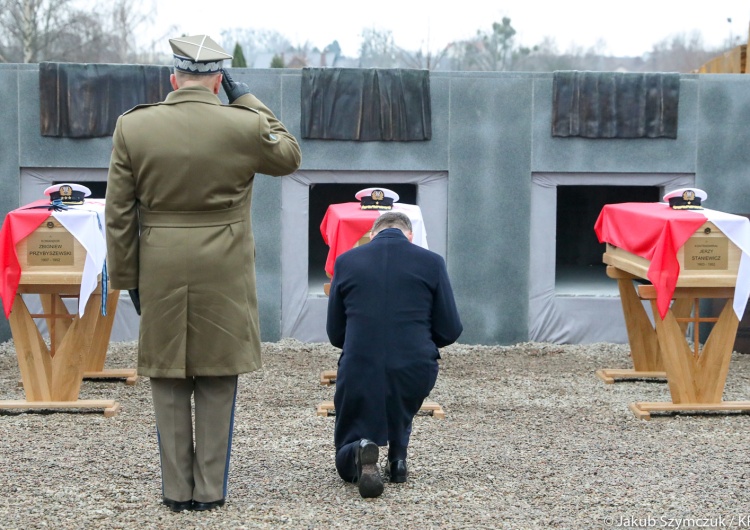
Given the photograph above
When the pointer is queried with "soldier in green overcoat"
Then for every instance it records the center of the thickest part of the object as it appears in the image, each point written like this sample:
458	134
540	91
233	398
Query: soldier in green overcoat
179	239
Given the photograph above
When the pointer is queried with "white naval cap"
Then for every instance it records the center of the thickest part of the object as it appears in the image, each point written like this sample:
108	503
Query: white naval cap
686	199
68	193
376	198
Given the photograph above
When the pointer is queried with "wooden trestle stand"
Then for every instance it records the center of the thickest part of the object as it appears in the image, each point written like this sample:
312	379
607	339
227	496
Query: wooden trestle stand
696	377
52	376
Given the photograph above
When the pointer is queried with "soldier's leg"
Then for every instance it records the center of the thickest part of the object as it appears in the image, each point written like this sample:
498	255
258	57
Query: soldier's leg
174	425
214	422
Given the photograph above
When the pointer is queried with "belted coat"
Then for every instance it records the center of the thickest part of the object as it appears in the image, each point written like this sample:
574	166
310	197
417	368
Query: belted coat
391	307
178	227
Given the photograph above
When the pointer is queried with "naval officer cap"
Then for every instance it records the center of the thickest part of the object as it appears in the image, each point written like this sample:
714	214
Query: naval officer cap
198	55
67	193
686	199
376	198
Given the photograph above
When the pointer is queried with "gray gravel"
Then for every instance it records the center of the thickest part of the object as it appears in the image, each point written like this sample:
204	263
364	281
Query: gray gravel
532	439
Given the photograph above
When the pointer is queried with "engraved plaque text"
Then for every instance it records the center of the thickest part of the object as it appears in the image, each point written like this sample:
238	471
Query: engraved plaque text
706	253
50	248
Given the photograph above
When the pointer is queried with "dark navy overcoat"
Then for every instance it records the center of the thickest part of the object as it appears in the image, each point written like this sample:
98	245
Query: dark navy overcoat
391	307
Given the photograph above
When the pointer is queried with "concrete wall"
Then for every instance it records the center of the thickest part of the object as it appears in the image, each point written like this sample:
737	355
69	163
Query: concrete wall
491	134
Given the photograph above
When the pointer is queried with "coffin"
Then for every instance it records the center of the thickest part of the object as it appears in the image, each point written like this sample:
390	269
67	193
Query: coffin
51	255
707	259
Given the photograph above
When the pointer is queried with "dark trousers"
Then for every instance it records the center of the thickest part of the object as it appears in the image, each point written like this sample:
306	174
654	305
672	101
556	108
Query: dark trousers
400	420
194	471
345	464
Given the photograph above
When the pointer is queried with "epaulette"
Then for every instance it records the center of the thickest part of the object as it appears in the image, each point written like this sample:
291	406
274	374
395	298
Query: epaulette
238	106
141	106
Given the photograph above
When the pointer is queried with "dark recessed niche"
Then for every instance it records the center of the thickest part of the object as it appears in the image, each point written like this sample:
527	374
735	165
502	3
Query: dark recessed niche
578	253
323	195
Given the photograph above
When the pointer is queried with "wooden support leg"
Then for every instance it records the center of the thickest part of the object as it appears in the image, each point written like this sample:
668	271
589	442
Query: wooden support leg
696	379
432	408
94	362
678	358
54	383
68	362
53	304
100	341
713	364
328	377
644	345
33	356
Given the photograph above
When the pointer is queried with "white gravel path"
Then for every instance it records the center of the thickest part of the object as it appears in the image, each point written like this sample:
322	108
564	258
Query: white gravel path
532	439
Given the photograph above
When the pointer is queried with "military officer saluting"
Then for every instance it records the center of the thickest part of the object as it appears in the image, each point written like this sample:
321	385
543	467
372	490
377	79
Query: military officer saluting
179	239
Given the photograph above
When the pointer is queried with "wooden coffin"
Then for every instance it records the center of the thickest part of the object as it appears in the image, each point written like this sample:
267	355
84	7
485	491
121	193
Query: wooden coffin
707	259
50	255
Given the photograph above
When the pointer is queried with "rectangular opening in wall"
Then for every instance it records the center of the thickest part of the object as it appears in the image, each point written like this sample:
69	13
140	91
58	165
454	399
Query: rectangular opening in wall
323	195
35	180
579	269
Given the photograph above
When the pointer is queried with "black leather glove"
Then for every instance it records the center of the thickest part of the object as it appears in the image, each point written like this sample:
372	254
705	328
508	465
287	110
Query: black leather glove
136	298
233	89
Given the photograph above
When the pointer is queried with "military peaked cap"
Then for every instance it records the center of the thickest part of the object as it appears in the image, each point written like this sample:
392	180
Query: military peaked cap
198	54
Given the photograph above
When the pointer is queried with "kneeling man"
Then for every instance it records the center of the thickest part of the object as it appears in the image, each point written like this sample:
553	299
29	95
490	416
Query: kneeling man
391	307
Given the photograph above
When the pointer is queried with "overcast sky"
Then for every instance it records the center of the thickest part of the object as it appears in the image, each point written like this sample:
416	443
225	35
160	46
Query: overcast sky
628	28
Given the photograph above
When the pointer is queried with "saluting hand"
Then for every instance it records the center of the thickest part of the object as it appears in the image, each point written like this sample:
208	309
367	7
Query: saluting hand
232	88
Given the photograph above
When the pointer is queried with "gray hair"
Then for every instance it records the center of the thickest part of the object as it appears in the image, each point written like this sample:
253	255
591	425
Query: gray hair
183	76
392	220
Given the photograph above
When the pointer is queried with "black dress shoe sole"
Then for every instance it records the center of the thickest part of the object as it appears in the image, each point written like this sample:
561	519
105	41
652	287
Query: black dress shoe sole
205	506
370	483
177	506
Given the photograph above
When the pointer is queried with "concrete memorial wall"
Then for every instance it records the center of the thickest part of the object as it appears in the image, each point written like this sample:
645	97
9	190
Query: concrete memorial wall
487	182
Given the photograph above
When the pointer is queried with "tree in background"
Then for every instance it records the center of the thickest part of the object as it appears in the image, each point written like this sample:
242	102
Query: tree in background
331	53
125	17
679	53
31	29
425	61
54	30
495	51
378	49
545	57
238	58
258	46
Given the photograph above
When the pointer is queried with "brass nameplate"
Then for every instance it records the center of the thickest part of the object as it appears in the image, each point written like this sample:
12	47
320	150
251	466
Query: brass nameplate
50	248
707	253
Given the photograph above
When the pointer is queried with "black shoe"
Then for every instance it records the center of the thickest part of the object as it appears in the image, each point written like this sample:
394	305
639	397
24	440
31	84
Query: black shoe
369	481
177	506
397	471
205	506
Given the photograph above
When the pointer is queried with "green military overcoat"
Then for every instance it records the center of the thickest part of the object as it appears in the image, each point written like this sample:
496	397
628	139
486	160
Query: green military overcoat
178	227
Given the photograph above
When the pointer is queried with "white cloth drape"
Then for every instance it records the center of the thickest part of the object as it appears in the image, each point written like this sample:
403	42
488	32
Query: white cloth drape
86	223
737	229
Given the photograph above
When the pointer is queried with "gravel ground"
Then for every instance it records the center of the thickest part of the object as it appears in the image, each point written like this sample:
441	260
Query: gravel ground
532	439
